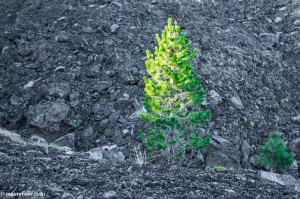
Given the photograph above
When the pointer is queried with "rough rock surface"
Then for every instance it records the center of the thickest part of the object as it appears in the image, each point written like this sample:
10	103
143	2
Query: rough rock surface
59	175
72	66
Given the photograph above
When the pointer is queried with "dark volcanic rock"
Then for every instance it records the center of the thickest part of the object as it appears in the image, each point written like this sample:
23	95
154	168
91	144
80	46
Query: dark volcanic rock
60	175
68	65
48	116
66	140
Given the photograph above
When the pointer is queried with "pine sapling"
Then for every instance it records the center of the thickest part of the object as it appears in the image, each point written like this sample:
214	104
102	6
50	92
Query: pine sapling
173	97
274	154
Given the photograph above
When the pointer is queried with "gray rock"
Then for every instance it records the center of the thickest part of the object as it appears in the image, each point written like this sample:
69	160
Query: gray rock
296	22
16	100
200	157
114	28
113	155
74	103
87	29
66	140
74	95
297	118
294	146
219	158
60	89
253	160
285	180
95	69
88	132
99	86
222	141
268	38
127	77
222	152
85	139
48	116
96	154
109	194
67	195
124	101
122	119
245	151
110	73
278	20
236	101
29	84
41	142
12	136
137	113
104	123
113	118
61	38
215	97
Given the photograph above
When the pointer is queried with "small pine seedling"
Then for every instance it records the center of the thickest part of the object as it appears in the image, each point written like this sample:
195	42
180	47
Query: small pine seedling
173	97
274	154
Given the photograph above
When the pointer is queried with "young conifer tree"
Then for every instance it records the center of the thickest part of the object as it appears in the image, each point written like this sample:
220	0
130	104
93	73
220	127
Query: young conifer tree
173	97
274	154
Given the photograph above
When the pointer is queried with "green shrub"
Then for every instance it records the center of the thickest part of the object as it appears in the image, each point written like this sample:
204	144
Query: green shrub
274	154
173	97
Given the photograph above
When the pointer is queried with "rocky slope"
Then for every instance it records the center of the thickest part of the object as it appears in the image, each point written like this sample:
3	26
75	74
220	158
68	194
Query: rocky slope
26	168
76	67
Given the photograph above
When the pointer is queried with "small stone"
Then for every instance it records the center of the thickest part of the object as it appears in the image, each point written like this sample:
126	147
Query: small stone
114	28
122	119
109	194
237	102
125	131
245	151
297	118
296	22
61	38
74	95
294	146
282	8
127	77
87	29
215	97
60	89
137	113
113	155
200	156
253	160
41	142
48	115
96	154
104	123
95	69
59	68
278	20
222	141
269	20
67	195
30	83
66	140
61	19
230	190
74	103
113	118
110	73
268	38
285	180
